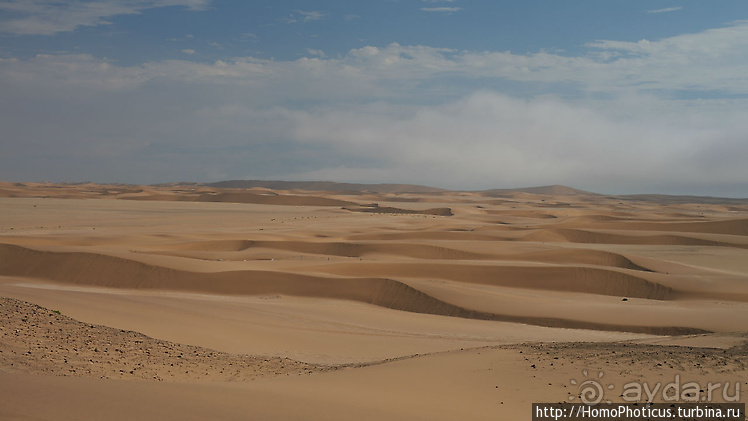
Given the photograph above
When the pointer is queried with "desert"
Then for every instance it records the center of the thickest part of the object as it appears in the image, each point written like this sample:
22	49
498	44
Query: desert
374	210
327	301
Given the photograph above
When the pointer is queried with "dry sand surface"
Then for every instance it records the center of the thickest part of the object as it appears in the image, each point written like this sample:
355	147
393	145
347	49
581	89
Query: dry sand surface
227	302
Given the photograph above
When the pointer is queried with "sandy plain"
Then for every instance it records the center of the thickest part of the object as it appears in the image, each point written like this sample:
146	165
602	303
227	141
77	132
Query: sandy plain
197	302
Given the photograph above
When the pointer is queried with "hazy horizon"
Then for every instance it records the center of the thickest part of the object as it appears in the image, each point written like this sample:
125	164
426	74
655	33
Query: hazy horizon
363	184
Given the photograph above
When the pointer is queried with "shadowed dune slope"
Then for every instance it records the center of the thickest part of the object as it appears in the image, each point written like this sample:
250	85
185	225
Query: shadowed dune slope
592	237
587	257
345	249
107	271
728	227
225	248
554	278
412	250
7	193
424	235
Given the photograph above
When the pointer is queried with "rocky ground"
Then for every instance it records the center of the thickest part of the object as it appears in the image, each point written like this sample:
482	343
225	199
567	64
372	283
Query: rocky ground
37	340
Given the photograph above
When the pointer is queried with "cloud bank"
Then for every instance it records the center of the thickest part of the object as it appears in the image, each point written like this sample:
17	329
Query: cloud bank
48	17
624	117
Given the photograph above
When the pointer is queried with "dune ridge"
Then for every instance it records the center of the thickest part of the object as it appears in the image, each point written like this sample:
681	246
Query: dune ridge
106	271
335	248
554	278
593	237
411	250
727	227
584	256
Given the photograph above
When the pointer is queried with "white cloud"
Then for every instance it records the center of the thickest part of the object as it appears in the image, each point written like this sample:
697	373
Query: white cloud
713	60
188	51
305	16
489	139
441	9
317	53
392	113
665	10
48	17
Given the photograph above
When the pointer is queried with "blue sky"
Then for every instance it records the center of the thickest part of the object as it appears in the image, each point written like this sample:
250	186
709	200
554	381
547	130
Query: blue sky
610	96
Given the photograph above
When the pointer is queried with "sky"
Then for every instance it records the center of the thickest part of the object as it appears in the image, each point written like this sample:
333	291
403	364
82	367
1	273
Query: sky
615	96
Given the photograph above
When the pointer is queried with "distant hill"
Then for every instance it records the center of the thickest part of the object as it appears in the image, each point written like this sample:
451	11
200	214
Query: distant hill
554	190
359	188
325	186
138	192
671	199
557	190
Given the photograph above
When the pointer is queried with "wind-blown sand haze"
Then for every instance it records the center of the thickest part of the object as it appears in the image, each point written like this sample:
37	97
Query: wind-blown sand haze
395	302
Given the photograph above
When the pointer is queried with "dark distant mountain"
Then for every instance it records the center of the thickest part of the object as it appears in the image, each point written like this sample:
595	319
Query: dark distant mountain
325	186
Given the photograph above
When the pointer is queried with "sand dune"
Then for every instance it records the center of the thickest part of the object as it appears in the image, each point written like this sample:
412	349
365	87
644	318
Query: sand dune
347	249
438	316
583	256
412	250
728	227
593	237
427	235
107	271
558	278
